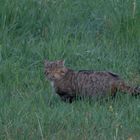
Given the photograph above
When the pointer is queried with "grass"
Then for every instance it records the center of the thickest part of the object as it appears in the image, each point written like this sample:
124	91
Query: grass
99	35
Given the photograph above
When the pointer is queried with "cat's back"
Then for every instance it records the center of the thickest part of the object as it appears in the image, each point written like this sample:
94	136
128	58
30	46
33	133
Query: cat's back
87	77
98	74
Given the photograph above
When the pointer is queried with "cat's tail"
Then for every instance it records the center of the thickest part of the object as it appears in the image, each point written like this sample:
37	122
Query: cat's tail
135	91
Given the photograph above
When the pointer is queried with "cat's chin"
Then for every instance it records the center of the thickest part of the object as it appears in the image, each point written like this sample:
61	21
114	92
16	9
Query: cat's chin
52	79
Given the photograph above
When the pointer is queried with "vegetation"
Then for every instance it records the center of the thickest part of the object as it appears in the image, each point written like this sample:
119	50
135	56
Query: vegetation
88	34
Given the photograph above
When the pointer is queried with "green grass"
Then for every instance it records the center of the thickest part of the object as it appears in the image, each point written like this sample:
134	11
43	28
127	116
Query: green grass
98	35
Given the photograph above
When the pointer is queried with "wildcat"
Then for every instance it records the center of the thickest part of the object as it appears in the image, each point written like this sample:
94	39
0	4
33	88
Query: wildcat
70	84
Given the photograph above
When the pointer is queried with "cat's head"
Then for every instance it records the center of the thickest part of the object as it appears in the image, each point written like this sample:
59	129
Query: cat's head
55	70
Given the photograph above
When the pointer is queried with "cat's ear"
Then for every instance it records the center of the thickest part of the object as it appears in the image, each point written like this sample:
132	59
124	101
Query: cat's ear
61	62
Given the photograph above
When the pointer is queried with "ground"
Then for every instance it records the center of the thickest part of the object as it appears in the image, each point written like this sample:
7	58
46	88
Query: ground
97	35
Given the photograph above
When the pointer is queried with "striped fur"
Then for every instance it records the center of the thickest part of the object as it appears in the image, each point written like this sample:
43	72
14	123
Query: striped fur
70	84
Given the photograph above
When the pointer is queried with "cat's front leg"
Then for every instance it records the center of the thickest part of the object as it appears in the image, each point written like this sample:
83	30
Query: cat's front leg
67	98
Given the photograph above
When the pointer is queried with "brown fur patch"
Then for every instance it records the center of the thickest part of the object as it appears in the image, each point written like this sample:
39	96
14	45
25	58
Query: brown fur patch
70	84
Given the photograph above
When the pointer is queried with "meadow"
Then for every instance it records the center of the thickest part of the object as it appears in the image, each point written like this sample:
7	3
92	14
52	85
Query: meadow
102	35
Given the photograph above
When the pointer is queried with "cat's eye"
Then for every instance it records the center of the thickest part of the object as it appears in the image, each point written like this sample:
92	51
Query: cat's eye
62	71
47	72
